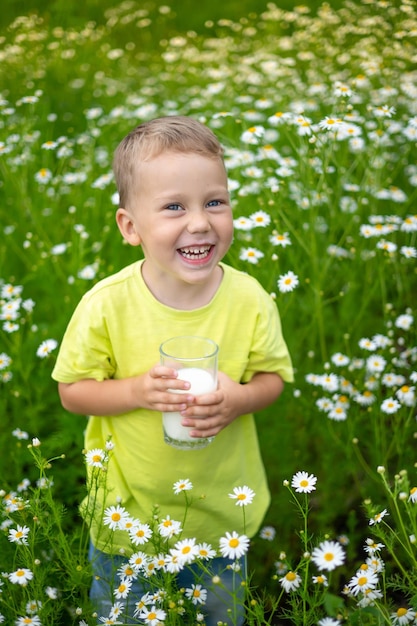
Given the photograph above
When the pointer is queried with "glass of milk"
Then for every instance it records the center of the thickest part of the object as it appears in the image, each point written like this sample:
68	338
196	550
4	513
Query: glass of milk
195	358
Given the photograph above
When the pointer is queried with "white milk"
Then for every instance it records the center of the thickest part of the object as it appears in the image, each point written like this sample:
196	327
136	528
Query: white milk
201	382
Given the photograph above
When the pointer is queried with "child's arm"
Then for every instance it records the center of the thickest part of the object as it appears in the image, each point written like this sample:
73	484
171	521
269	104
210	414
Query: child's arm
217	410
113	397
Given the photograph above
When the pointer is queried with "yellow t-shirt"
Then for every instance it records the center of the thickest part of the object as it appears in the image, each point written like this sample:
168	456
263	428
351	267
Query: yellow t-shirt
116	332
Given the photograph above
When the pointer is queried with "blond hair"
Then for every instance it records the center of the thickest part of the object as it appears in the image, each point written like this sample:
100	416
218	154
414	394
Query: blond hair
148	140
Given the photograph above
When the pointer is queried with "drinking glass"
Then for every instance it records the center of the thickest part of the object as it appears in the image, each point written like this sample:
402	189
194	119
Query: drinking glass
195	359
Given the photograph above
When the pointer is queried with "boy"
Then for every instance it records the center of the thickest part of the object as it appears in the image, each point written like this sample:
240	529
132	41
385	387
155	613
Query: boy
174	203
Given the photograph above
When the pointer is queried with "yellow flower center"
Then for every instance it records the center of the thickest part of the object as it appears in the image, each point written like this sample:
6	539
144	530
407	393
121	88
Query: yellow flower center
291	576
401	612
233	543
116	517
362	580
329	556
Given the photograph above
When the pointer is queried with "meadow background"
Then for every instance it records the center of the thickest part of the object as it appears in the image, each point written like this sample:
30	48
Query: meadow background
316	105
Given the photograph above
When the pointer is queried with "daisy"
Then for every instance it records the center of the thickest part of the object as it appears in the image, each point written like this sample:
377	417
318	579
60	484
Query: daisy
375	563
280	240
329	382
340	359
52	592
5	360
406	395
182	485
243	495
33	621
390	405
362	581
253	135
140	534
375	363
126	571
338	414
409	251
169	527
367	344
196	594
404	321
96	457
160	561
43	176
205	551
21	576
33	606
330	123
19	535
328	555
122	591
376	519
141	604
302	482
260	218
116	610
152	616
252	255
150	568
413	495
186	550
371	547
403	616
114	515
287	282
174	564
328	621
290	581
321	579
268	533
233	546
243	223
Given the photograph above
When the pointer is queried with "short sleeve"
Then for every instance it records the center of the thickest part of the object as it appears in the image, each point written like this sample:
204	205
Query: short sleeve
269	352
86	350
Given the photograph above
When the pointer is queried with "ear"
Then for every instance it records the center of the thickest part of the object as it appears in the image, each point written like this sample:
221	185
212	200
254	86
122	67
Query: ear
127	227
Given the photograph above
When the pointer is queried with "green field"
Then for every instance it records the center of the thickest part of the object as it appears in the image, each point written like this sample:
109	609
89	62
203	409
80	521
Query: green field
316	108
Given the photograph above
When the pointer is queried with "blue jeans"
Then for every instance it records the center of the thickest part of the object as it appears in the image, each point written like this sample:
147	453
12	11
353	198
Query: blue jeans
225	600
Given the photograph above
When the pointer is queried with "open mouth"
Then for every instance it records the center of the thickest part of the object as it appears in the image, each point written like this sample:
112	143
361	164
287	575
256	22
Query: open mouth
195	253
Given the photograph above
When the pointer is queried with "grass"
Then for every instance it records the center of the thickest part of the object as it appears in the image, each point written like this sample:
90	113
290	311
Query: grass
331	94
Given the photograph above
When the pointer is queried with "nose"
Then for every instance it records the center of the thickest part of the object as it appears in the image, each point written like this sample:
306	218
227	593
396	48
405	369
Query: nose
198	222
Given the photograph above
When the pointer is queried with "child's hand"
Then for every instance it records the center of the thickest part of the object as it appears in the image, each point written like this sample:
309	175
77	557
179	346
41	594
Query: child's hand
153	390
209	413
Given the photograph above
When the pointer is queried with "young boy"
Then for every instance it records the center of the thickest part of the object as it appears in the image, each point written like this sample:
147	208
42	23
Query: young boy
174	203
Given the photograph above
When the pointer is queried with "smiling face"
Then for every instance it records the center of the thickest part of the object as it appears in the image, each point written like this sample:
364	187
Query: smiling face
181	216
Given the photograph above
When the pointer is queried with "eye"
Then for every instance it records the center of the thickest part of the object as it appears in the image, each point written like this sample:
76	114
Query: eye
174	207
214	203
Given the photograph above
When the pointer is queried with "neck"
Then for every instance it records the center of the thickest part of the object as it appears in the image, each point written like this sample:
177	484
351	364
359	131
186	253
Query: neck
181	295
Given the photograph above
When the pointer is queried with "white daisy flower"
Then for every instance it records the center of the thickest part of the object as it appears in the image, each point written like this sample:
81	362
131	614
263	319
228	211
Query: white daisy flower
303	482
287	282
362	581
290	581
243	495
196	594
21	576
328	555
252	255
233	546
376	519
182	485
